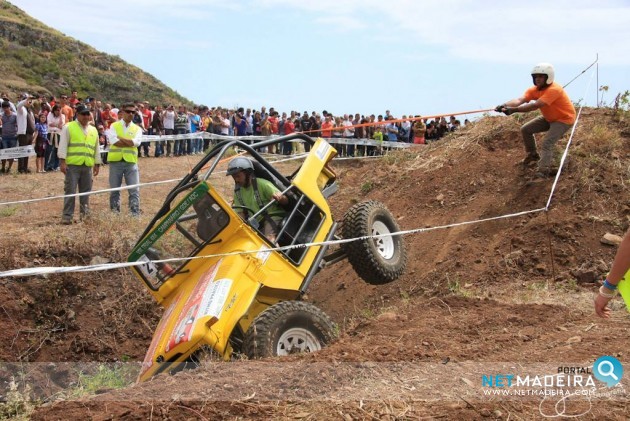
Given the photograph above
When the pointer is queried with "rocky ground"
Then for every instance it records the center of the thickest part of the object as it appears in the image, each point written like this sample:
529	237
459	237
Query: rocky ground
511	295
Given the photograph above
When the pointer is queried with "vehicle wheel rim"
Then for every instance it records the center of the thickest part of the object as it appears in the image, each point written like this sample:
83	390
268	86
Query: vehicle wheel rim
297	340
384	245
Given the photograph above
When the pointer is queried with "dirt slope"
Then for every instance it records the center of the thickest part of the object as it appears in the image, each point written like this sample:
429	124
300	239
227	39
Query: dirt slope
512	291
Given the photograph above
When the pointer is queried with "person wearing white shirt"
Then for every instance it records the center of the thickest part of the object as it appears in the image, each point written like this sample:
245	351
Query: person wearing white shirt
25	138
124	137
79	162
56	120
348	134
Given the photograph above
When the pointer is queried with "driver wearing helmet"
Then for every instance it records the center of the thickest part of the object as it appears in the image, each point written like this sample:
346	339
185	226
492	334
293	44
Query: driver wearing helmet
251	194
558	115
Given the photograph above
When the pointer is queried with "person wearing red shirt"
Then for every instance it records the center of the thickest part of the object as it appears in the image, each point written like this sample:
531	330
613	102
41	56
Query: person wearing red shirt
107	116
289	127
74	100
273	120
146	121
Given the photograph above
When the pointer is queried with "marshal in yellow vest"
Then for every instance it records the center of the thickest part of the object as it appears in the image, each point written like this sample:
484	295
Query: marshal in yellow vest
128	154
81	147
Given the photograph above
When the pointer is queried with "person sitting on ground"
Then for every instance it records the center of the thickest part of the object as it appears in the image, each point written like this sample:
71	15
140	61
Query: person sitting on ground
251	194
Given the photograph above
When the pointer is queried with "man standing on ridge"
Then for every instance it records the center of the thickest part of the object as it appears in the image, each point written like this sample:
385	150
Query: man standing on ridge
558	115
124	137
79	159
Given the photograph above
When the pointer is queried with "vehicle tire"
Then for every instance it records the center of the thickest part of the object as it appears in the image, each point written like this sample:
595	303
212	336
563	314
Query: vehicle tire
286	328
376	260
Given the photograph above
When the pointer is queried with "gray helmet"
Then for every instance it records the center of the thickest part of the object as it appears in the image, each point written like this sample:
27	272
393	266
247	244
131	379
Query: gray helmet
240	164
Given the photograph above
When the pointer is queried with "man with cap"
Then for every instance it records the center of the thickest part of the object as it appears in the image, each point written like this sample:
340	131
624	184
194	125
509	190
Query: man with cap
79	160
124	137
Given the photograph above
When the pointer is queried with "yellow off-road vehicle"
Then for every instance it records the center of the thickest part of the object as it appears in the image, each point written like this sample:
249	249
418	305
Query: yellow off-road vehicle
228	288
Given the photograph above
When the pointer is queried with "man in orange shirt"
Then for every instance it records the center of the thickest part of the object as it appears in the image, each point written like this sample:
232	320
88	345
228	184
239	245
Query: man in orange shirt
327	127
66	110
558	115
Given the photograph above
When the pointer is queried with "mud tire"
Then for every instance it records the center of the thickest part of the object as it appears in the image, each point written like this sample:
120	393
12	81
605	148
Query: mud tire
376	260
286	328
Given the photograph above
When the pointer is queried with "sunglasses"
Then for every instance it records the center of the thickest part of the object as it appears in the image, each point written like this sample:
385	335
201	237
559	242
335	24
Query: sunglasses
130	111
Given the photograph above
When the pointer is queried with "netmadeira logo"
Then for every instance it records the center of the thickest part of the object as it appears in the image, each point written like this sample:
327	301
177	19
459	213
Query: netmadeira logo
606	369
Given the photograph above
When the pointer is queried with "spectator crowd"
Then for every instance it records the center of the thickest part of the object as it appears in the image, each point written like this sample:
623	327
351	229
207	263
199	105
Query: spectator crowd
39	120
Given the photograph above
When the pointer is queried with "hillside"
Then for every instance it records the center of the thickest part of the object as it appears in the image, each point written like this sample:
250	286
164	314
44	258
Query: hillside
38	59
494	297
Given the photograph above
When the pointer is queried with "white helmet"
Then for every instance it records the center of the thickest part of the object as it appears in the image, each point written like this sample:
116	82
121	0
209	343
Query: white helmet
544	69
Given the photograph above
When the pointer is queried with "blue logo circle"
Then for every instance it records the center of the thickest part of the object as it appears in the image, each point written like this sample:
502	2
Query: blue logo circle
608	370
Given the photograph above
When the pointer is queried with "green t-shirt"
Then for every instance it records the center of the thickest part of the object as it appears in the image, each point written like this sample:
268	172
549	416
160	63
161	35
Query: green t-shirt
266	189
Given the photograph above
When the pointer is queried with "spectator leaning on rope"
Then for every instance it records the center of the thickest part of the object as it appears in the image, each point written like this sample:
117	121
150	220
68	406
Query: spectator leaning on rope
124	137
79	160
558	115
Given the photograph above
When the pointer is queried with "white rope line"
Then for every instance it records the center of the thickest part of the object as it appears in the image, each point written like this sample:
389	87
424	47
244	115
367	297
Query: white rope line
133	186
566	149
109	266
29	150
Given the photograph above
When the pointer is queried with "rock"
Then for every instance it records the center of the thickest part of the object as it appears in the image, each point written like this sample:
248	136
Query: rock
610	239
515	257
574	340
586	277
468	382
99	260
387	316
540	268
440	197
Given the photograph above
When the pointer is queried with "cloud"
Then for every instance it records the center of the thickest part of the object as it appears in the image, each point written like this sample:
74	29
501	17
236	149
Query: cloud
497	31
341	23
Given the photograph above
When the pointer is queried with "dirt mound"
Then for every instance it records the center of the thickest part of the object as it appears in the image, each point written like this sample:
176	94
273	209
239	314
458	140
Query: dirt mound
514	290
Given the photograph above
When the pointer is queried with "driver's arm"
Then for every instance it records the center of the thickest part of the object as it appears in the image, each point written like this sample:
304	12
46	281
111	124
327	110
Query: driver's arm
280	198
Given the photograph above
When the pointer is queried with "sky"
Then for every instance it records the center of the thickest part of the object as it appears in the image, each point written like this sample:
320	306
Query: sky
357	56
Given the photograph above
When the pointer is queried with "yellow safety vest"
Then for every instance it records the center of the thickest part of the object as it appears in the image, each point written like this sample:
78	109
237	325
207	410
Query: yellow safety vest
81	147
127	153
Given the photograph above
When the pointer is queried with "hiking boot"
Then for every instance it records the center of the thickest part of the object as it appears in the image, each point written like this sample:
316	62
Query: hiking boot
529	159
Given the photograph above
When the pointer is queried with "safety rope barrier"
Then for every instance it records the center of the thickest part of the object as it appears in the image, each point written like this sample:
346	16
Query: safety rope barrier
399	120
109	266
152	183
29	150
